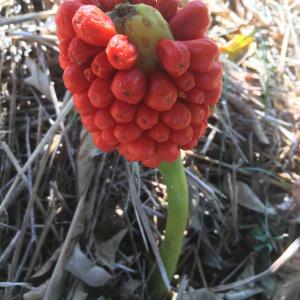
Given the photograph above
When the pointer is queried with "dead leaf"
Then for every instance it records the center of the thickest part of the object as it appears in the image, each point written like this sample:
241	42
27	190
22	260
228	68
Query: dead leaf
296	192
242	295
106	251
202	294
86	270
36	294
129	287
38	77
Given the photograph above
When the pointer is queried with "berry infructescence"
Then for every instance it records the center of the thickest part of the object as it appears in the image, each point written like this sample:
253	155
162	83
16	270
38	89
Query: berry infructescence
143	75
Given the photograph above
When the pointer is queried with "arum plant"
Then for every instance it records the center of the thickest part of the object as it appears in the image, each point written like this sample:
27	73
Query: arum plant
144	77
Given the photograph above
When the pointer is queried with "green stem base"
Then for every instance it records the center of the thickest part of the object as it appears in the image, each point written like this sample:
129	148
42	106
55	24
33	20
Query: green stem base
177	214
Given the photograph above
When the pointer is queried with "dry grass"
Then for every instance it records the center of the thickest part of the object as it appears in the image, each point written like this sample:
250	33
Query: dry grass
79	224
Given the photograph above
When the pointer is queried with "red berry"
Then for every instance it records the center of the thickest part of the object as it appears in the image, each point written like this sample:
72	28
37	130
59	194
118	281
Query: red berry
109	138
159	133
63	19
127	132
142	148
89	75
91	2
121	54
210	80
101	66
174	56
183	136
93	26
74	79
107	5
63	62
63	46
167	151
199	130
98	141
199	112
190	145
185	82
162	94
195	95
212	97
167	8
83	105
191	21
88	123
178	117
204	53
152	162
122	112
129	85
100	94
103	119
146	117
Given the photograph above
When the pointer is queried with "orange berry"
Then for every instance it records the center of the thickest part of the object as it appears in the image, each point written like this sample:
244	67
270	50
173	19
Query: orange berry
127	132
167	151
212	97
152	162
98	141
185	82
141	148
210	80
174	56
159	133
63	62
109	138
183	136
121	54
74	79
129	85
101	66
199	130
195	95
199	112
63	46
89	75
146	117
162	94
103	119
122	112
79	52
190	145
93	26
83	105
178	117
88	123
100	93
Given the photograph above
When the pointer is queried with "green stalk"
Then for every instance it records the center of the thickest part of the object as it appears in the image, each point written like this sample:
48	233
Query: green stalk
177	214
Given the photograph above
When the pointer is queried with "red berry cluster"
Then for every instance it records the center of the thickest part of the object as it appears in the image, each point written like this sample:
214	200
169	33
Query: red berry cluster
147	117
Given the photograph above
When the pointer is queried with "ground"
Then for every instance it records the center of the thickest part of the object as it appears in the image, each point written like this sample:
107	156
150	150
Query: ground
75	223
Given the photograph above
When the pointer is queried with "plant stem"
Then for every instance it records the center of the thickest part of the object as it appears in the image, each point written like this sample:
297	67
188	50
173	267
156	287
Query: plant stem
177	214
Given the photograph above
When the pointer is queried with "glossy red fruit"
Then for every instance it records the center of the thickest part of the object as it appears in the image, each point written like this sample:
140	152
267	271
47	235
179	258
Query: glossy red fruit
204	53
79	52
167	8
174	56
146	117
63	19
178	117
167	151
101	66
109	138
159	133
107	5
190	145
98	141
199	113
74	79
91	2
212	97
100	93
191	22
129	85
89	75
210	80
126	133
152	162
93	26
199	130
64	62
185	82
148	2
103	119
88	123
63	46
162	93
142	148
122	112
196	95
121	54
83	105
183	136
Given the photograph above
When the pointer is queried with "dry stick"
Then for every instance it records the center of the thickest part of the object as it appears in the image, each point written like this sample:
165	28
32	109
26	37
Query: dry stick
9	248
27	17
55	282
286	255
6	201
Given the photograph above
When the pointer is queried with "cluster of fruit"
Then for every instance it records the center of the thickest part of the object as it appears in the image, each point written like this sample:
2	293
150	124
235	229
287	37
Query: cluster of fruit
148	115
